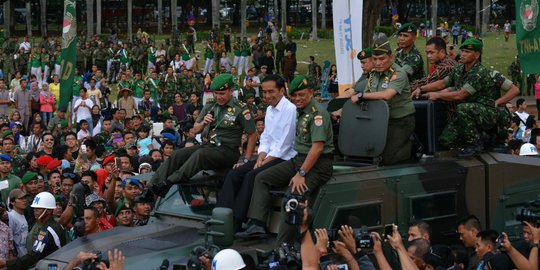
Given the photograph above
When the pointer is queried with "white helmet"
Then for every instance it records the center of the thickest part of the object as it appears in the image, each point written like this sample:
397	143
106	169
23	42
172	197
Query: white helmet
228	259
44	200
528	149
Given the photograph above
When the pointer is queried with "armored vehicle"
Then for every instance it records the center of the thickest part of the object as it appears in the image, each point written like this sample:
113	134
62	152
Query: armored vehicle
436	189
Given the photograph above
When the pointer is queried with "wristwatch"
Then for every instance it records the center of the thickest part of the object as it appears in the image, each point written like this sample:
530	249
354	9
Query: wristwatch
301	172
246	160
535	245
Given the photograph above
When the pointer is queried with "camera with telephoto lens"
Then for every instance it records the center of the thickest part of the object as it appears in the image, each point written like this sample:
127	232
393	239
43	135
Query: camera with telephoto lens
530	212
294	211
194	263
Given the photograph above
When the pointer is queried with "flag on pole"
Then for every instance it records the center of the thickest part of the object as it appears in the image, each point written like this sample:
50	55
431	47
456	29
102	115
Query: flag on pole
528	35
69	57
347	40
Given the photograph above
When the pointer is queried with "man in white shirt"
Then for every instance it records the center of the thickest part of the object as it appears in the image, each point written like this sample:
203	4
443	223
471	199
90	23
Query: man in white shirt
276	146
507	29
17	222
521	115
25	45
83	106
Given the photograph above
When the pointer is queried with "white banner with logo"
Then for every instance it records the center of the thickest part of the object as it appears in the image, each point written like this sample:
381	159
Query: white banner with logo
347	17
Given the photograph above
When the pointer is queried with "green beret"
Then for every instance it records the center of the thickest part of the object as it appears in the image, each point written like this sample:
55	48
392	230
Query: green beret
300	82
249	95
381	46
222	82
7	133
29	176
472	44
363	54
120	207
407	28
316	94
63	123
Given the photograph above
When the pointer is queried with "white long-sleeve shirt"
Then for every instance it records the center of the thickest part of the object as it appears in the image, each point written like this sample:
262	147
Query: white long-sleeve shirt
277	139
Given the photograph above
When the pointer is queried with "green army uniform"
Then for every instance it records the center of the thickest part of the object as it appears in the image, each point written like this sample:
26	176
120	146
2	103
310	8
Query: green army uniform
246	93
476	114
8	66
22	61
88	60
187	86
171	51
100	58
168	91
222	138
313	125
42	240
138	55
138	88
312	70
504	117
280	54
102	138
245	48
10	182
80	60
19	165
412	61
401	122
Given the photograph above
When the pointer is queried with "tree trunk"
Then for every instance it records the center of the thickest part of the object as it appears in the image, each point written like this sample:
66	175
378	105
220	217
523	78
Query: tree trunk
43	17
130	19
477	17
314	20
284	17
160	17
7	19
323	15
375	7
174	17
243	8
215	14
98	17
28	18
434	16
275	18
89	18
486	7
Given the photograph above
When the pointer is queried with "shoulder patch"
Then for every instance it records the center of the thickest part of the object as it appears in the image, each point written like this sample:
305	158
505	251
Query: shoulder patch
318	120
393	77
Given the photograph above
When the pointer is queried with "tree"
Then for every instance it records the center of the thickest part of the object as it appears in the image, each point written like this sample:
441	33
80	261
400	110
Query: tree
98	17
323	14
314	20
174	17
160	17
28	18
89	18
375	7
215	14
43	17
243	8
130	19
284	17
7	18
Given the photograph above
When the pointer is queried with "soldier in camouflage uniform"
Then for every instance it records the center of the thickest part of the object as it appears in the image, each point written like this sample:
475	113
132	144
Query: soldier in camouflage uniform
115	64
408	56
168	81
186	84
280	53
138	58
80	58
100	57
22	61
88	60
504	92
8	67
472	87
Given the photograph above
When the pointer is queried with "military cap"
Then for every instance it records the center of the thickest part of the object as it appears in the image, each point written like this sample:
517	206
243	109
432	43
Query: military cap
5	157
63	123
300	82
7	133
29	176
472	44
132	182
120	207
44	160
363	54
407	28
169	136
222	82
140	199
381	46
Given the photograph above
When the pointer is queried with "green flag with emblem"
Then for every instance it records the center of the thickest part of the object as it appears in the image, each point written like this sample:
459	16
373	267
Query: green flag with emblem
69	57
528	35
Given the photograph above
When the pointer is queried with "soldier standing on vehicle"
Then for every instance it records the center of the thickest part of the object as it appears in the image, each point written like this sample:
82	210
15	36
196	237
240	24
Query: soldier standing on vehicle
307	171
475	112
45	237
408	57
221	124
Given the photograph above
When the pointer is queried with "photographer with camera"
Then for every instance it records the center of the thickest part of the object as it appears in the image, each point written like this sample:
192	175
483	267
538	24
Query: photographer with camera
487	250
519	260
307	171
93	260
45	237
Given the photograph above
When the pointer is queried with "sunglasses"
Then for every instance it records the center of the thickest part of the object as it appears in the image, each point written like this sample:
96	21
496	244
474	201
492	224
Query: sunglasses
69	175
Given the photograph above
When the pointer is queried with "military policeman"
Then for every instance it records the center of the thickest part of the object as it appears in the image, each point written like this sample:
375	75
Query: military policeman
307	171
388	81
221	124
45	237
472	87
408	56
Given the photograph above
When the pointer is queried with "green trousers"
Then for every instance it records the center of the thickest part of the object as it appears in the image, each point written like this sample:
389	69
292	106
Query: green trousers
279	176
398	143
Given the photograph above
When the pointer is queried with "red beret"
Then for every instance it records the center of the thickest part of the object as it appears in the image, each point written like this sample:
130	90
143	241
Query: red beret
108	159
54	164
43	161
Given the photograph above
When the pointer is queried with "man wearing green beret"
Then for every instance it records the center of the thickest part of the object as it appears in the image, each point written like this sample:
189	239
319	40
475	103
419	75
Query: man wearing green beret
221	124
389	82
124	215
408	56
472	88
307	171
32	183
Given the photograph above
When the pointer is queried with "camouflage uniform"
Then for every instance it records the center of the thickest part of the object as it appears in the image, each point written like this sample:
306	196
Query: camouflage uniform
9	67
474	115
102	138
87	52
411	62
504	117
19	165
